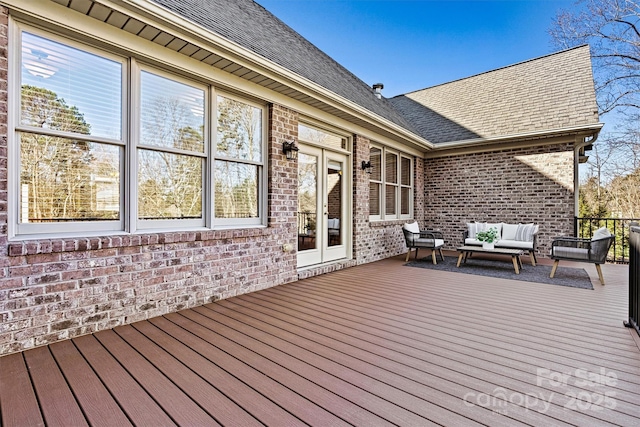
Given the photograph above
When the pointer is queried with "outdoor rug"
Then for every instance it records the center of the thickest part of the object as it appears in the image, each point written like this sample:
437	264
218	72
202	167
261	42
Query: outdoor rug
565	276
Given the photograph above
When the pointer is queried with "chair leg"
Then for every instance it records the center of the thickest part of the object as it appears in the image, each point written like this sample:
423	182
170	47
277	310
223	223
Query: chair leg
600	274
555	266
433	256
533	258
416	254
441	256
406	259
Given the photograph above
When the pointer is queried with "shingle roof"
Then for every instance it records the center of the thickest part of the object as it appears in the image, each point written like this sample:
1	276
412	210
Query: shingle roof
552	92
253	27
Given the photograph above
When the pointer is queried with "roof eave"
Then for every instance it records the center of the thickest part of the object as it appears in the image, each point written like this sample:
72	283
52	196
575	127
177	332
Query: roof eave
502	142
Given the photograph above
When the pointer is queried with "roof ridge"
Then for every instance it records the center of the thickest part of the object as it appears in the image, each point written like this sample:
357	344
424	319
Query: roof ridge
495	69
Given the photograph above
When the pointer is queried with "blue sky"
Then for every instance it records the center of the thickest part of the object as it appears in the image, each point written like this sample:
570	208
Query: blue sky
413	44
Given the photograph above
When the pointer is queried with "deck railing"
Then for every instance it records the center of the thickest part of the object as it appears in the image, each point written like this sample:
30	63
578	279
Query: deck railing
634	278
619	227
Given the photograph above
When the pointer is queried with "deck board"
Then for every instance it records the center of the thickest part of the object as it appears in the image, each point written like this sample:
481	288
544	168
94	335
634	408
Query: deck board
373	345
18	402
140	408
58	404
96	402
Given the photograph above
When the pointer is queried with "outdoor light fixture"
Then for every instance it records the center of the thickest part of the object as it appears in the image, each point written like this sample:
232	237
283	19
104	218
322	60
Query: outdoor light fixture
290	149
366	166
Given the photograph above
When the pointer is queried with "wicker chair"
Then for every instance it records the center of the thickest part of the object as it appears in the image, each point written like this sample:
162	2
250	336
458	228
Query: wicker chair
592	250
423	239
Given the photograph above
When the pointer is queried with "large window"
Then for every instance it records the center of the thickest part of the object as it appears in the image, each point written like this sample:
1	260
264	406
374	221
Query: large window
390	184
102	143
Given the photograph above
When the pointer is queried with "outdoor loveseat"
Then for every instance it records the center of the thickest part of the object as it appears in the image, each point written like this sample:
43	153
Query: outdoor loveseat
416	239
511	236
592	250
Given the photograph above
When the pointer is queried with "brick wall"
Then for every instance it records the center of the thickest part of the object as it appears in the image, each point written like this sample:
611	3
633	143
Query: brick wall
520	185
57	289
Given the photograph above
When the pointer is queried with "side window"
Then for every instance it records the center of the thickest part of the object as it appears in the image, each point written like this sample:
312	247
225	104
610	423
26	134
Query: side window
375	183
69	138
390	184
171	156
239	162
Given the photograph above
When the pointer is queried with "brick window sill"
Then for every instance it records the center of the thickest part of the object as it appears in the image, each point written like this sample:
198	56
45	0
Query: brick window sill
47	246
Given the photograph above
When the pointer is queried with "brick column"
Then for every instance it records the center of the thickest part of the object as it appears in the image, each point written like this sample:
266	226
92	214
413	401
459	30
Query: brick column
283	186
361	229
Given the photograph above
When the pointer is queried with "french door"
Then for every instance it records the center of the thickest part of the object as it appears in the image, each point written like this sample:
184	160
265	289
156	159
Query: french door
323	225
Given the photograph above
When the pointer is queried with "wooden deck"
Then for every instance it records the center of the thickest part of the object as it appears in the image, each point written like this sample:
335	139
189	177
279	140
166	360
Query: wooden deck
377	344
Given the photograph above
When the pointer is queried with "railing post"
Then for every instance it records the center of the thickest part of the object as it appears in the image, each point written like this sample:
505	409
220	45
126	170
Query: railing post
634	277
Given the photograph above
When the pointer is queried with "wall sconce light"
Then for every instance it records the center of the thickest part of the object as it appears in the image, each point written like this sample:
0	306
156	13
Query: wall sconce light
366	166
290	149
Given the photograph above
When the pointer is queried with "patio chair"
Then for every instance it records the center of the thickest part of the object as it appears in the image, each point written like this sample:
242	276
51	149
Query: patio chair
416	239
592	250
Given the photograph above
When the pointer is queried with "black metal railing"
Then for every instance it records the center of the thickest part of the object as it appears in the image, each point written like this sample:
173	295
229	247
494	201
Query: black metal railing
634	278
619	227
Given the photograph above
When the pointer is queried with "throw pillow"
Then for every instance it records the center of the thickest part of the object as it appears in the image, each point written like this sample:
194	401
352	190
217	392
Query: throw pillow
474	227
412	227
601	233
509	231
524	233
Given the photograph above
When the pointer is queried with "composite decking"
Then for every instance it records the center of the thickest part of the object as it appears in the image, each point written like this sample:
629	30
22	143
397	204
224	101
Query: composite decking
377	344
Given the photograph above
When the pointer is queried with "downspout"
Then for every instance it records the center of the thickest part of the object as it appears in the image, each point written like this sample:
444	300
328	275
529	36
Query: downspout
576	176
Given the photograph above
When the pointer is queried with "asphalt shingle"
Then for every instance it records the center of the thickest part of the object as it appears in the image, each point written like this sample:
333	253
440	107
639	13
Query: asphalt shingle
552	92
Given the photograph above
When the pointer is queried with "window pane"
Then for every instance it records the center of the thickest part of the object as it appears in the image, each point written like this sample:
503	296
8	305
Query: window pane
67	180
239	130
404	200
236	190
390	199
391	168
375	155
306	133
374	198
67	89
405	171
171	113
169	186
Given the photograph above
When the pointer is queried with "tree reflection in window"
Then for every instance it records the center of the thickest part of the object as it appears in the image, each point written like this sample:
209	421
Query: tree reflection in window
239	159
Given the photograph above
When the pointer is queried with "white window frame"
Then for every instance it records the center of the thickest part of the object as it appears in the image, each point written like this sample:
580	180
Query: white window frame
136	145
382	185
130	132
262	170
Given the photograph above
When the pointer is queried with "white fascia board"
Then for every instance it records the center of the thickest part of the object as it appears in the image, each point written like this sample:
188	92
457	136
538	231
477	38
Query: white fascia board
525	136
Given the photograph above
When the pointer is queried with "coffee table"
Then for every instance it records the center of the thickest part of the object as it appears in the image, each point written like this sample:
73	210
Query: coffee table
514	253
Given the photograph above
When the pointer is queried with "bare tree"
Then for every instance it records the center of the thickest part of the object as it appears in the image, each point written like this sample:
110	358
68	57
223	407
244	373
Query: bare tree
612	29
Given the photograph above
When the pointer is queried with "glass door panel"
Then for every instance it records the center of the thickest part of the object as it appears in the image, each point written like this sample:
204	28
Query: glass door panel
322	221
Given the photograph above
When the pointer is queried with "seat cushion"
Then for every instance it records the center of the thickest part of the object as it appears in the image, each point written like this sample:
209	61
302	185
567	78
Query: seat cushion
514	244
429	243
569	252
